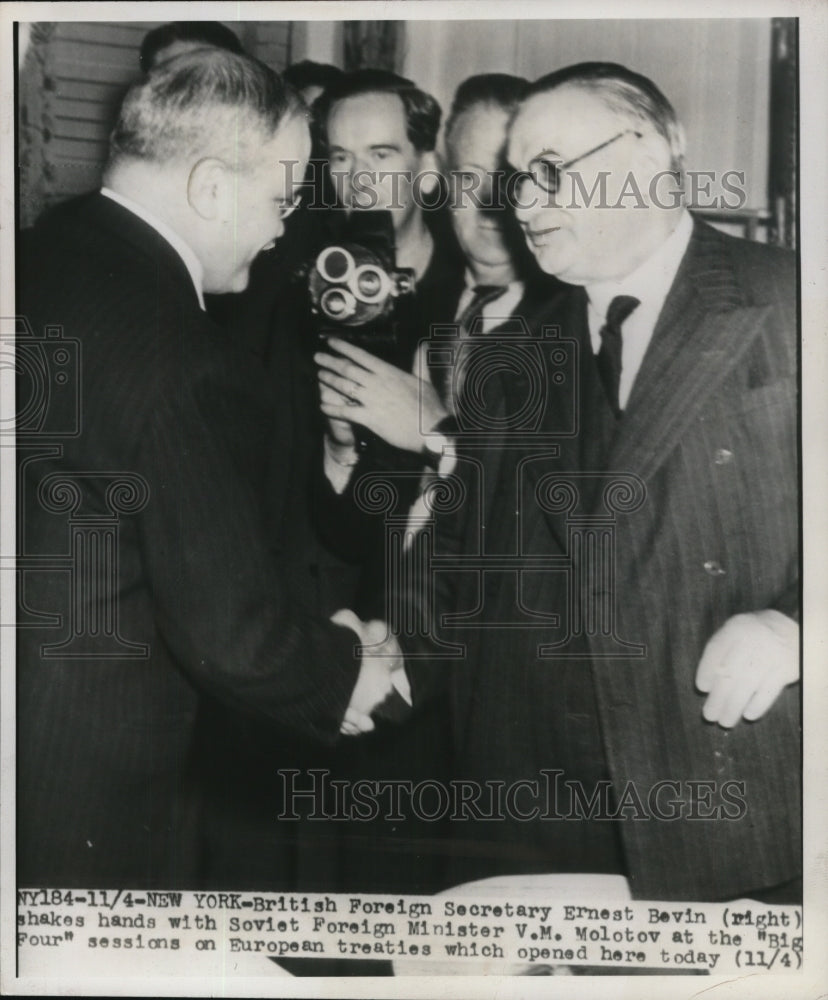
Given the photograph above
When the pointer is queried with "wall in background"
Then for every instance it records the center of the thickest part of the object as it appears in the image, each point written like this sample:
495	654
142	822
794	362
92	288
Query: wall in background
319	41
715	72
72	80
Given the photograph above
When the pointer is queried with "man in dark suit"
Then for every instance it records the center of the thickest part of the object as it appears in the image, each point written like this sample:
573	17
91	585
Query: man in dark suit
498	279
156	579
640	530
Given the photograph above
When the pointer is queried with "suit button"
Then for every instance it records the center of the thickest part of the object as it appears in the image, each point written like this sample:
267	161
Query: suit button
723	456
714	568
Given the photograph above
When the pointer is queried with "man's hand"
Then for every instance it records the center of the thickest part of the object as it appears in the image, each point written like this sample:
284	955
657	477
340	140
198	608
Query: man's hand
396	405
376	673
340	432
746	664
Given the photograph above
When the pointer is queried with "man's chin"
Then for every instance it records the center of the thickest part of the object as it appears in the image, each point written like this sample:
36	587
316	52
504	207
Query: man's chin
489	256
228	284
240	282
550	259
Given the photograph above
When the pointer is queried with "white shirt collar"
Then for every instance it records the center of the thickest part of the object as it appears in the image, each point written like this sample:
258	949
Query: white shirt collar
183	249
650	281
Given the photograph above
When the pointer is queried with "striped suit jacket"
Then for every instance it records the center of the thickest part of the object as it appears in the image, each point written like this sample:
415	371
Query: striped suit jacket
689	517
164	446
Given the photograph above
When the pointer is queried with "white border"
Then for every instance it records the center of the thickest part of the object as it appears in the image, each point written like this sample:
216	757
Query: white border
813	213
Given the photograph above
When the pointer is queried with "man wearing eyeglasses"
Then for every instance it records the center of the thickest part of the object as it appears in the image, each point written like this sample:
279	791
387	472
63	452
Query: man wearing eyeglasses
185	599
669	508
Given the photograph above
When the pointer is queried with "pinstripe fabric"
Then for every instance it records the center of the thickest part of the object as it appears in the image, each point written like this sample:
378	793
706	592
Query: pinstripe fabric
719	377
105	746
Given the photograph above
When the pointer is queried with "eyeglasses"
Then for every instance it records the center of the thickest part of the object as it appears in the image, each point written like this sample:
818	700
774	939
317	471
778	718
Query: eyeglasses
289	207
547	173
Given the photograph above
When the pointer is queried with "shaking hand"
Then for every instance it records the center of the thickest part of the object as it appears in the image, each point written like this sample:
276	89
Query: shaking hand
380	674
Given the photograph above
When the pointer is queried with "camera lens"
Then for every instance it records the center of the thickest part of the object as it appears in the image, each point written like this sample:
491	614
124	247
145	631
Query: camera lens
370	283
335	264
337	304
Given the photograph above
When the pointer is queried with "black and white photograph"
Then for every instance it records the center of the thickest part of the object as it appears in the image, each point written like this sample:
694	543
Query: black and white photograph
413	473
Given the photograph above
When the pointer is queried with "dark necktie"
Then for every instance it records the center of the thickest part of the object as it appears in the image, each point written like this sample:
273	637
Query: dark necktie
483	295
446	381
609	356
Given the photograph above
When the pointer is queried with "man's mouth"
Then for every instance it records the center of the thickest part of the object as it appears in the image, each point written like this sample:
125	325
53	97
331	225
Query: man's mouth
541	236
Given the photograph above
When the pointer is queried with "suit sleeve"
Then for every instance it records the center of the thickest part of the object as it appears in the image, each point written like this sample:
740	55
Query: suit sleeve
425	596
222	602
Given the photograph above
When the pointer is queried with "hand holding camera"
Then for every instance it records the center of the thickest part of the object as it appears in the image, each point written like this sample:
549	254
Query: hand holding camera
355	291
397	406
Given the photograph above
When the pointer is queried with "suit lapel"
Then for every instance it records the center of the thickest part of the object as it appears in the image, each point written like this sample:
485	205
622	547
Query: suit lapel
563	402
702	333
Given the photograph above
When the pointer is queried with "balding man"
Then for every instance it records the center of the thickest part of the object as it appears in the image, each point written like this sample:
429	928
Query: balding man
638	669
182	594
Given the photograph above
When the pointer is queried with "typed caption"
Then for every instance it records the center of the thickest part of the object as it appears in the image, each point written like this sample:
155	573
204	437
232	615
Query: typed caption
80	928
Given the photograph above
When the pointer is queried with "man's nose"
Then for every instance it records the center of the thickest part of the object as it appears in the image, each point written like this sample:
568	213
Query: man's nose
367	173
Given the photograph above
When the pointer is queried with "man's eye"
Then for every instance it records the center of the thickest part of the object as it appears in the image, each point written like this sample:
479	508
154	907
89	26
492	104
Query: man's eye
465	182
382	154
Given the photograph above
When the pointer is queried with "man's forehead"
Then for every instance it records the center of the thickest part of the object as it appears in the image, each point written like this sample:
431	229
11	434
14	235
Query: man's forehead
478	136
560	120
285	152
365	114
290	139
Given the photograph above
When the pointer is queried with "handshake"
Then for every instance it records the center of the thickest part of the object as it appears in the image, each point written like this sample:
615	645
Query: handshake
382	686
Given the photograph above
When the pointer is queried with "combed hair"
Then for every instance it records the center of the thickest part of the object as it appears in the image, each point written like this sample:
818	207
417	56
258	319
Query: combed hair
422	112
624	92
312	74
205	103
493	90
212	33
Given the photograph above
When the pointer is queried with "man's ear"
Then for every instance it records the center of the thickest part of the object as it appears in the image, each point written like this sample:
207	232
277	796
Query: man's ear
210	189
653	153
429	168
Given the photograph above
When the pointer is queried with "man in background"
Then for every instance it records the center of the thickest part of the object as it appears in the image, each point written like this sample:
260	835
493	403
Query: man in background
312	79
174	430
501	278
380	133
178	37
